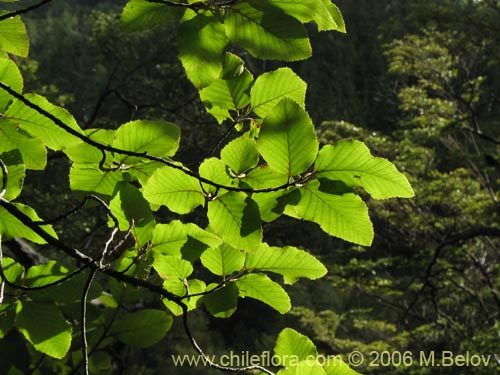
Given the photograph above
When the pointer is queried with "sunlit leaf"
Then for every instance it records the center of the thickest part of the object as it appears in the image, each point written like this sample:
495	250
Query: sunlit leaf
13	36
351	162
288	261
287	140
130	208
235	217
201	41
292	346
341	213
240	154
11	227
37	125
266	31
175	189
223	260
182	239
271	87
262	288
142	14
43	325
157	138
33	151
10	75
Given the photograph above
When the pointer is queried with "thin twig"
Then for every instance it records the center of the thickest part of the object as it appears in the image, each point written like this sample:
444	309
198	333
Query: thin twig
23	11
207	360
86	288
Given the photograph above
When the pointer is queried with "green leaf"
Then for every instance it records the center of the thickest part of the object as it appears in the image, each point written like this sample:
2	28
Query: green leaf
222	303
33	152
240	154
15	173
10	75
89	178
43	325
179	289
264	177
175	189
231	92
340	214
291	347
267	32
336	366
13	36
129	205
142	14
40	126
271	87
201	41
288	261
262	288
351	162
84	153
177	238
12	269
336	15
309	10
236	218
11	227
214	170
287	140
66	292
158	138
224	260
269	204
171	268
142	328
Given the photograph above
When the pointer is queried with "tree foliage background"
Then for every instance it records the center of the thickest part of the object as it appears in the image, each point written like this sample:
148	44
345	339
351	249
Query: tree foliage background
417	81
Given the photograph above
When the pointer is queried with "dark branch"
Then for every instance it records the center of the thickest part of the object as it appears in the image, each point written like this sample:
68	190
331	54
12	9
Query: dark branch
79	256
23	11
482	135
457	238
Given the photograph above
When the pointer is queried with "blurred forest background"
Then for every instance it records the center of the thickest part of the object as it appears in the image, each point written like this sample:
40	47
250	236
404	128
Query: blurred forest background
417	80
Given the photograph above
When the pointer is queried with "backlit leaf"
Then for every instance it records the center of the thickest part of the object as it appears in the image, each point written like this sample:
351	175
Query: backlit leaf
262	288
13	36
292	346
266	31
351	162
175	189
224	260
271	87
288	261
340	214
142	14
201	41
10	75
235	217
287	140
43	325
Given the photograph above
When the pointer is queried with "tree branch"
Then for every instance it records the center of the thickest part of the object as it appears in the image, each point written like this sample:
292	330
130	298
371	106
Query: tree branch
23	11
